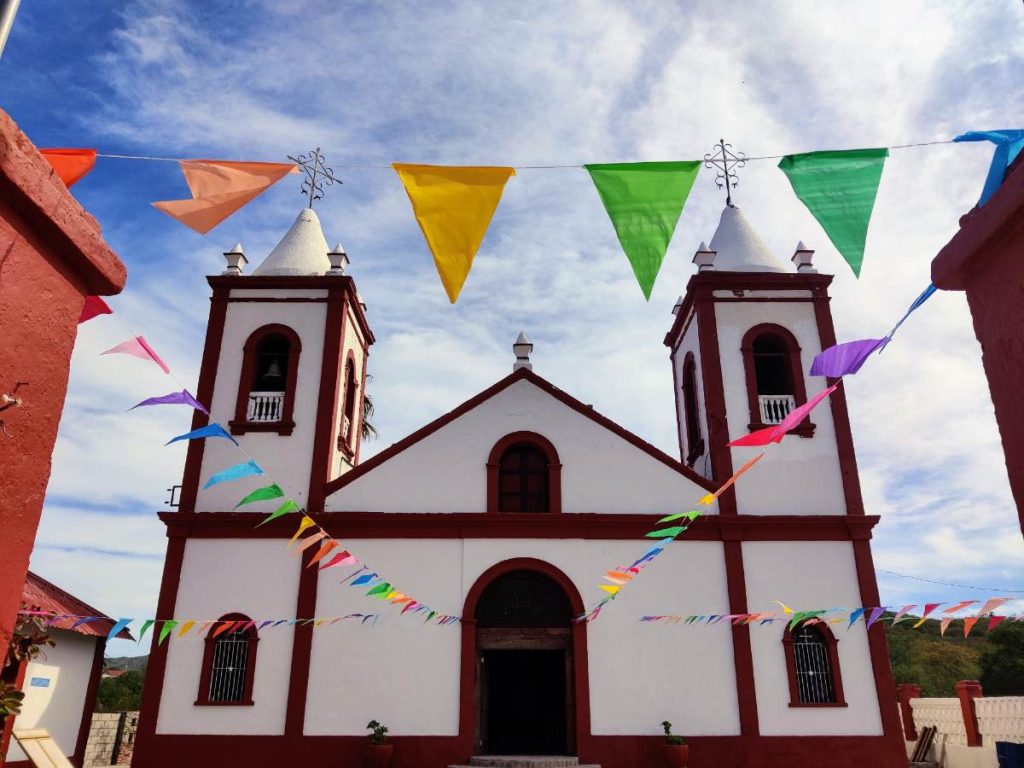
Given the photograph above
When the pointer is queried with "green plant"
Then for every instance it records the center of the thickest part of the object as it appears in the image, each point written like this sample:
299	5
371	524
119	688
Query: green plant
670	738
366	429
379	733
10	700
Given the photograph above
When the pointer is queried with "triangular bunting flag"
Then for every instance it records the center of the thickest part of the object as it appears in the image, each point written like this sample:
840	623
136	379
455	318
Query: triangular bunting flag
854	615
1009	143
116	629
174	398
145	626
994	621
928	608
342	558
92	307
245	469
453	206
844	359
943	626
969	623
185	627
165	630
644	201
219	188
70	164
309	541
666	533
287	508
325	548
991	604
305	523
137	346
267	492
210	430
839	190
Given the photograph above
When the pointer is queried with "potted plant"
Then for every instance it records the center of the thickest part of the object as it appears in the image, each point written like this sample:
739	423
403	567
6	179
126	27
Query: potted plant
379	750
676	750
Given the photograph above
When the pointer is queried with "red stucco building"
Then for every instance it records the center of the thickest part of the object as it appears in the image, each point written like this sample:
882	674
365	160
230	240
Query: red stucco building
985	259
52	255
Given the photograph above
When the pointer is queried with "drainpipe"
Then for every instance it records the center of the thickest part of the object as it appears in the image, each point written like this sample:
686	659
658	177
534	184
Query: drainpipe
8	10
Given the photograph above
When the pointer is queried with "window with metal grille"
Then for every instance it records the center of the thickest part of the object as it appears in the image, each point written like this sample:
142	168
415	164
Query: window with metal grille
229	661
812	666
523	479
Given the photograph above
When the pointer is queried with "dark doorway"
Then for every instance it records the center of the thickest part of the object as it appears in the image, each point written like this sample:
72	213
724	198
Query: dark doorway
524	695
524	676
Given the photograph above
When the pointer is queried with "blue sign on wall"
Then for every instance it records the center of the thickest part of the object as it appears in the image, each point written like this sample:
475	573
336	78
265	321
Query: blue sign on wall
40	682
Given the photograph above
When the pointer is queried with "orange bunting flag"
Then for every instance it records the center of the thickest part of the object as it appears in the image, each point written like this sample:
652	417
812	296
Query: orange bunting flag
958	607
225	626
969	624
736	476
70	164
305	523
453	206
219	188
618	578
325	548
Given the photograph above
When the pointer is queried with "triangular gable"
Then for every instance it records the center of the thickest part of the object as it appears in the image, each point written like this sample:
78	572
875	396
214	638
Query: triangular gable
480	399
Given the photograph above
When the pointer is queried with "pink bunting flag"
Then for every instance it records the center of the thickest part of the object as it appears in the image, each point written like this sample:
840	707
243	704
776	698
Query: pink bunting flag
994	621
991	604
138	347
93	306
943	626
928	608
342	558
309	541
900	615
793	418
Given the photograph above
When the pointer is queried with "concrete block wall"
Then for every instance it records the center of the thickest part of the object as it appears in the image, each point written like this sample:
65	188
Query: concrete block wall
110	731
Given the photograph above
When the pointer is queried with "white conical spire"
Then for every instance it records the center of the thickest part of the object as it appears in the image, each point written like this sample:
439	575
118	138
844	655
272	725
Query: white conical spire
739	247
302	251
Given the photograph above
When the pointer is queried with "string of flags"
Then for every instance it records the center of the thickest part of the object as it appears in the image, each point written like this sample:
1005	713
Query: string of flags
454	205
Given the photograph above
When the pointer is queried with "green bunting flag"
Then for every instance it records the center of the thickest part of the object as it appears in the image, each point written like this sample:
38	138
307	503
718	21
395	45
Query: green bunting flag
262	494
839	190
286	508
166	630
644	201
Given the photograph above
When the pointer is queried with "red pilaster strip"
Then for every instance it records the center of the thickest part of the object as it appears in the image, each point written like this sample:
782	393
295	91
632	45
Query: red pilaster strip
905	692
968	691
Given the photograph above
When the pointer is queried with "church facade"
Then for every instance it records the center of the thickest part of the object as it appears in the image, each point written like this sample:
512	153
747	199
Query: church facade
506	511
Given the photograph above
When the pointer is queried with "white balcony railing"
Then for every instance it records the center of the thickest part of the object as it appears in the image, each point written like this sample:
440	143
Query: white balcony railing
265	406
346	428
774	408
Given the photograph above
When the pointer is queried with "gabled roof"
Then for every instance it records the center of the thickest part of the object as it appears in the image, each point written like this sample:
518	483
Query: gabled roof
40	595
542	384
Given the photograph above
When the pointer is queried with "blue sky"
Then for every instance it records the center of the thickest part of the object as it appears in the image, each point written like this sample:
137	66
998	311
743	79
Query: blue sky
526	83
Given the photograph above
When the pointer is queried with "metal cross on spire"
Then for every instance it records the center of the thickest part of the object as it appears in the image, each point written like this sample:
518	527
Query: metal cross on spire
317	174
725	162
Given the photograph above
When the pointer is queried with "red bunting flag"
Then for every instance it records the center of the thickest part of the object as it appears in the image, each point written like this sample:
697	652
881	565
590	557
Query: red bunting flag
93	306
70	164
994	621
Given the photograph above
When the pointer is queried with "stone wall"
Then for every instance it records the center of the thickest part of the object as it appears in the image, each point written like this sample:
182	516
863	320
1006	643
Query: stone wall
111	738
999	718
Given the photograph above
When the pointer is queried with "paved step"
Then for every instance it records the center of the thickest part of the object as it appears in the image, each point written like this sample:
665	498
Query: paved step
523	761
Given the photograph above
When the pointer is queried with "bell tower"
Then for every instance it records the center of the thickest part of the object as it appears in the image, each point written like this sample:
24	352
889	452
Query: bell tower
283	370
742	342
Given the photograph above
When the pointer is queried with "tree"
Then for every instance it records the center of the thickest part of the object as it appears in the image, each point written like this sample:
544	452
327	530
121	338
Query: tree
1002	662
120	694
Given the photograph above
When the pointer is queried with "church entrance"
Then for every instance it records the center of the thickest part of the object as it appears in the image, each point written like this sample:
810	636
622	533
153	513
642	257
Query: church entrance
525	686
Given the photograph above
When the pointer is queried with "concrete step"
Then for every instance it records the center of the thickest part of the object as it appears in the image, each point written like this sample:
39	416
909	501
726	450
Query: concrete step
523	761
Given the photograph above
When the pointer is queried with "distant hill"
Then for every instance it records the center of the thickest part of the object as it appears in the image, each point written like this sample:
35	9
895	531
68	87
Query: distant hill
924	657
126	662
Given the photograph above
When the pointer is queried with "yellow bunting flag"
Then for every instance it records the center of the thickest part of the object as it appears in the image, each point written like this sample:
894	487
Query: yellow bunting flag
610	589
305	523
185	628
453	206
785	608
707	500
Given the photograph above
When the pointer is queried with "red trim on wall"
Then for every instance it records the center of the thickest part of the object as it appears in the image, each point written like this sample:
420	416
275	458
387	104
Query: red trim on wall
204	394
327	399
554	468
490	392
302	648
743	655
905	693
467	676
206	670
796	374
714	399
533	525
156	667
967	691
240	425
835	671
78	758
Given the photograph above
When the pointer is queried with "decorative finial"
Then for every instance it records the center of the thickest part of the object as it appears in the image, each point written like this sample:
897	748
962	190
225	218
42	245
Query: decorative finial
725	161
236	260
803	258
317	172
339	260
522	348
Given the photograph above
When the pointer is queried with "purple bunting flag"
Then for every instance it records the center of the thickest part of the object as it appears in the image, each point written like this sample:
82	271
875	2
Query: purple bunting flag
844	359
174	398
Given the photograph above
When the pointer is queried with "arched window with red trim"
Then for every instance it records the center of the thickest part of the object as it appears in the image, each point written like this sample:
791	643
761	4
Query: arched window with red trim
812	665
229	662
266	387
694	441
774	374
348	419
524	475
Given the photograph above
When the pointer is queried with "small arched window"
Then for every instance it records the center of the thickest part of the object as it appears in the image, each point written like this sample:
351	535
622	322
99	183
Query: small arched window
694	441
812	662
775	381
524	475
348	421
266	389
229	662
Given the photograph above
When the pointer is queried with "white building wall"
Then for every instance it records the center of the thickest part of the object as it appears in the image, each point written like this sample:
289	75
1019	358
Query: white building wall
802	476
690	342
287	459
601	472
806	575
358	669
257	578
58	706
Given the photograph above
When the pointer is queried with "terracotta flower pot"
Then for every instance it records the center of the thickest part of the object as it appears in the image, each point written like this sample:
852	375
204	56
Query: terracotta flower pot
378	755
676	755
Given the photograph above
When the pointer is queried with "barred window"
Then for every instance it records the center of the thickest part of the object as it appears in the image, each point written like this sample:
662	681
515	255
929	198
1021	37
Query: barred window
229	661
523	480
813	663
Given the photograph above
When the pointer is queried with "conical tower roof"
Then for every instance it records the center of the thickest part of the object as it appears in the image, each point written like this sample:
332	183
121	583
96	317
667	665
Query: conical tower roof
739	248
302	251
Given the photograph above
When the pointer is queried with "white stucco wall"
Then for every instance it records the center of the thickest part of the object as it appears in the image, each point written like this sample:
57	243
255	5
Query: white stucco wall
802	476
287	459
690	342
58	707
359	669
601	472
257	578
805	575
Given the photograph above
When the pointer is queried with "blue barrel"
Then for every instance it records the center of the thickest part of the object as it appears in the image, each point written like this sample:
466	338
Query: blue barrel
1010	755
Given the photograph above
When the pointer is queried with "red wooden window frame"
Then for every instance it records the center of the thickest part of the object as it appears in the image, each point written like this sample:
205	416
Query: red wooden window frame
239	425
542	444
691	411
794	369
832	650
206	671
347	444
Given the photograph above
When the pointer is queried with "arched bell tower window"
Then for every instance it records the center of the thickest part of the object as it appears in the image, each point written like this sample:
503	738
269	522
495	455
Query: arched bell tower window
266	389
812	665
346	440
775	379
694	441
524	475
229	662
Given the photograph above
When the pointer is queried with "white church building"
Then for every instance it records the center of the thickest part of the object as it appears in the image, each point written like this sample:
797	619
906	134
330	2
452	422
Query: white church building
506	511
